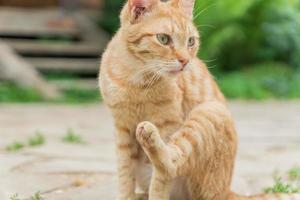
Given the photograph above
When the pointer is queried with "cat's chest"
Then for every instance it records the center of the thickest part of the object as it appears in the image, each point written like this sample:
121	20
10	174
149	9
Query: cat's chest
165	112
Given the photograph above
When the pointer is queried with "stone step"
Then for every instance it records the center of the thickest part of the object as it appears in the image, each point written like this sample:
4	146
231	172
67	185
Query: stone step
35	48
67	65
36	23
84	84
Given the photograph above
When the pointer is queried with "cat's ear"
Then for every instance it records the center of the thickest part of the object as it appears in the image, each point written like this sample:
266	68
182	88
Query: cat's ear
186	5
138	8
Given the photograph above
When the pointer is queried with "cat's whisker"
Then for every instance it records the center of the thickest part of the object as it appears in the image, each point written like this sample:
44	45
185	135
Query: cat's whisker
137	77
211	67
154	78
207	61
206	25
203	10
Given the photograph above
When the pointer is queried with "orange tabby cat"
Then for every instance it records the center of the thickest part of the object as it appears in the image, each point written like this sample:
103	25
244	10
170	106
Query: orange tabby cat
185	149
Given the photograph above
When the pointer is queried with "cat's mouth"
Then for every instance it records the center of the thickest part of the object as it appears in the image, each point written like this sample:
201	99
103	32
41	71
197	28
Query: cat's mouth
178	69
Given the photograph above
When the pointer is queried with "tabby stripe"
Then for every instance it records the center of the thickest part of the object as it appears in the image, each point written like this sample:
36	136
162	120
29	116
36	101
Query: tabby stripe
189	137
166	123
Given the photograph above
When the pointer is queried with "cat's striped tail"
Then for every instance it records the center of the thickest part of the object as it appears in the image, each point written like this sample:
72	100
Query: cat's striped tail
270	197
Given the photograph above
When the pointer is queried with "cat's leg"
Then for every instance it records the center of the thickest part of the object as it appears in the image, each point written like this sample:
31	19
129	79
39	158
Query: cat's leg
208	127
127	153
149	138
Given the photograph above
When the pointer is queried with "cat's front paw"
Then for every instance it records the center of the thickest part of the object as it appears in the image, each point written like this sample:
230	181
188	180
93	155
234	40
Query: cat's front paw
147	135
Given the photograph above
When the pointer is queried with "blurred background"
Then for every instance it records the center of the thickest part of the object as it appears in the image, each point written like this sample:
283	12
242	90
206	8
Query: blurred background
252	47
56	135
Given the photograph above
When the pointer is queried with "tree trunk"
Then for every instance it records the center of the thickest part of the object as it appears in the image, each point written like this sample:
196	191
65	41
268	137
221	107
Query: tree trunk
16	69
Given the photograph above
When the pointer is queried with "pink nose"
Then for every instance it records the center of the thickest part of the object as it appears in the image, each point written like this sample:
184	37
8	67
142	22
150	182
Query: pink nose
183	62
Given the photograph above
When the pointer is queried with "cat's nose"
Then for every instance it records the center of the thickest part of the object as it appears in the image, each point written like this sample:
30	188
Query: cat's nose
183	62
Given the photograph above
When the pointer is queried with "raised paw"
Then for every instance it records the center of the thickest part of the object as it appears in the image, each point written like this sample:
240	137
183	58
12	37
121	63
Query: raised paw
148	135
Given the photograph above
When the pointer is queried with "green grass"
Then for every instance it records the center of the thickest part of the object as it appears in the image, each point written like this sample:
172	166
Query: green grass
15	197
37	196
76	95
73	138
36	140
288	182
15	146
294	173
282	187
9	92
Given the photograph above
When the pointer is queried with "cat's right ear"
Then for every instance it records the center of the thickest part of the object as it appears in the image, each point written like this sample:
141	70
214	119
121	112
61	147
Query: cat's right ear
139	8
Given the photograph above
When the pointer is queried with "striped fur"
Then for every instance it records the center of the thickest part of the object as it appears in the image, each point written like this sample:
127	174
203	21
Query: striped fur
175	137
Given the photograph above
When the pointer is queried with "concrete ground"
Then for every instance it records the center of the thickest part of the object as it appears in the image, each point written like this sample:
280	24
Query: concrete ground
269	135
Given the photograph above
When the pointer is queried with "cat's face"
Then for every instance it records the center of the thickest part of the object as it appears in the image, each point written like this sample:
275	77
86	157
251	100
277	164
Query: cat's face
161	34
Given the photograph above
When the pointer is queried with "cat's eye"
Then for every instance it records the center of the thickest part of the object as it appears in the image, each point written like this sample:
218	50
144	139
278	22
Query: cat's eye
164	39
191	41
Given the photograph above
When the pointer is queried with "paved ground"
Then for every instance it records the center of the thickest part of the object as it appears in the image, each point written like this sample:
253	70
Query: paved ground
269	140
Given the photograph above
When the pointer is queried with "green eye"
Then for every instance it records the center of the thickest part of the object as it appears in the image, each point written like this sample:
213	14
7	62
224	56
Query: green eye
163	39
191	41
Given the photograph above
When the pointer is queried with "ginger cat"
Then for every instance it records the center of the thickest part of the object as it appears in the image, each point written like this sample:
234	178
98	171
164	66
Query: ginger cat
185	149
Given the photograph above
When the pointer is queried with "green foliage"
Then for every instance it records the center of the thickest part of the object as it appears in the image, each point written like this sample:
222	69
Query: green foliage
269	80
71	137
36	140
110	16
37	196
239	33
15	197
281	187
294	173
9	92
15	146
78	95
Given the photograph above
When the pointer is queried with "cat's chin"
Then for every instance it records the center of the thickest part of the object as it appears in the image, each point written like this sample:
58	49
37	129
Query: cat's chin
175	72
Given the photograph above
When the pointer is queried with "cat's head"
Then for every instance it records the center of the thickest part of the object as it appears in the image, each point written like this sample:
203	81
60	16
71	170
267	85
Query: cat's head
161	34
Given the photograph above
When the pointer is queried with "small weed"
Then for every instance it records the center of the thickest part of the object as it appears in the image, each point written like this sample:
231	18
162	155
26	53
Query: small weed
281	187
37	196
71	137
294	173
36	140
16	146
14	197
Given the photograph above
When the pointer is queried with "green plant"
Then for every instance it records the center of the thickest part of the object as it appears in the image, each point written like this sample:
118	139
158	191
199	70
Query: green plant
13	93
239	33
71	137
110	15
263	81
294	173
281	187
36	140
15	197
37	196
77	95
15	146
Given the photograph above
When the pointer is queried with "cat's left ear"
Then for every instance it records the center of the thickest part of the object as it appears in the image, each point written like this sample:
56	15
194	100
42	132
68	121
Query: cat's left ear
139	8
186	5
